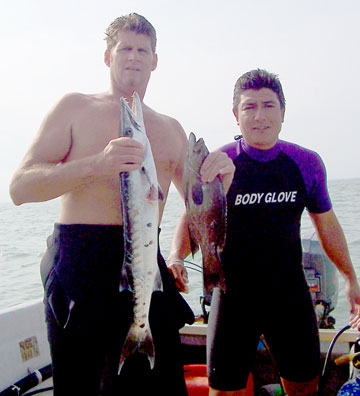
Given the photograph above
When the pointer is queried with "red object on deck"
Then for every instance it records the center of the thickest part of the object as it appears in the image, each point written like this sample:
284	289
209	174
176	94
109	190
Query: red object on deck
197	381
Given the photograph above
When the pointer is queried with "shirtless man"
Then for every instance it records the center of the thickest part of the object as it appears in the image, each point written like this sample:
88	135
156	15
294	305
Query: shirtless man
78	155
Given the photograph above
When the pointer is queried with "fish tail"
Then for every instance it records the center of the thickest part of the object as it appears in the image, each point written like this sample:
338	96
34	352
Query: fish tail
147	348
133	344
213	275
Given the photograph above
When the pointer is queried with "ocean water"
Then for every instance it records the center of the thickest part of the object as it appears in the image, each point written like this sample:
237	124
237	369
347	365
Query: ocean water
24	229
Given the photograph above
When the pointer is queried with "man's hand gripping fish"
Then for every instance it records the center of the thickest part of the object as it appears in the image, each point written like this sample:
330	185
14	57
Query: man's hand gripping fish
206	213
140	210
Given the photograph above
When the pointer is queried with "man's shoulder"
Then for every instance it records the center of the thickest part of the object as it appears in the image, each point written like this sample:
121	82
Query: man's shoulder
155	115
163	123
296	150
72	102
75	105
77	98
305	158
285	145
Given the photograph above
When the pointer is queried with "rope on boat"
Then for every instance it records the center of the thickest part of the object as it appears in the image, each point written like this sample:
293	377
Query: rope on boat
35	392
28	382
331	346
193	266
347	327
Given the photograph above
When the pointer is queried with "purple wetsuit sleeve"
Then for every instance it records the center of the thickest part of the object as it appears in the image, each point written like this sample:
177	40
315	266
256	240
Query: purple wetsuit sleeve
313	171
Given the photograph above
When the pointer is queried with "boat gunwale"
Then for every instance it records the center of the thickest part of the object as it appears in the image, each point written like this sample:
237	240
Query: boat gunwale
326	335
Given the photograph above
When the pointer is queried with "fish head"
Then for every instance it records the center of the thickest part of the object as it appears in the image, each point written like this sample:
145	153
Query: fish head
197	152
131	120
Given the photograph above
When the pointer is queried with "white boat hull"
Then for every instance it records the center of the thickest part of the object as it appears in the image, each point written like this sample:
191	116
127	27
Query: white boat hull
24	346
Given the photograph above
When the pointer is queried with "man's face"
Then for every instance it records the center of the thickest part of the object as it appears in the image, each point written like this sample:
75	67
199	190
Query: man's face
260	117
131	60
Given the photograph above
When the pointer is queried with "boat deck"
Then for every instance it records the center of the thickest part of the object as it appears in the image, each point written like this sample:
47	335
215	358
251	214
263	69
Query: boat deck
194	351
24	343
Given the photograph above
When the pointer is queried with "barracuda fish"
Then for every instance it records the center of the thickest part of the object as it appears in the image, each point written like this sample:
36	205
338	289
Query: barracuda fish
140	210
206	212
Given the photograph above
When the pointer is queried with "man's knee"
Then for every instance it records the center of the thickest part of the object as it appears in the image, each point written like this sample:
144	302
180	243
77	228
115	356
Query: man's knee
215	392
308	388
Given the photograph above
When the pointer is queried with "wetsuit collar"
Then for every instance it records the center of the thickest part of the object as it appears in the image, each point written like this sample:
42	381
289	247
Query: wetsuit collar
261	155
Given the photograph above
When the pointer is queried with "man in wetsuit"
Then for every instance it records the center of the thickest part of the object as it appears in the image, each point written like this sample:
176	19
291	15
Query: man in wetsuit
267	291
78	155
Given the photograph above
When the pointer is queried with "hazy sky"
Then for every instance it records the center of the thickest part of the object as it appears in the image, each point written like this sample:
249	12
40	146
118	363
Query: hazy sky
49	48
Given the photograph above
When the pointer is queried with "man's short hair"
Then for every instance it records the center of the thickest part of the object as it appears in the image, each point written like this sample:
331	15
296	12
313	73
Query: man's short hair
257	79
132	22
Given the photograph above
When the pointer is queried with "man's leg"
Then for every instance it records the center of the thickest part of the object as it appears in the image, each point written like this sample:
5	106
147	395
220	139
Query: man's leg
308	388
214	392
231	345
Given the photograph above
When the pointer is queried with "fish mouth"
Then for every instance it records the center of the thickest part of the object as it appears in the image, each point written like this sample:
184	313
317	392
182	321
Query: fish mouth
131	118
197	151
195	146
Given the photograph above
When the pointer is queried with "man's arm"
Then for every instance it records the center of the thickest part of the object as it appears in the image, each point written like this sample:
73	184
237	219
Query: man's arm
177	253
45	173
179	250
333	241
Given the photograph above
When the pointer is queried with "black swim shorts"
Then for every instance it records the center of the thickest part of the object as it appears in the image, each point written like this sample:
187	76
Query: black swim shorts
88	318
235	325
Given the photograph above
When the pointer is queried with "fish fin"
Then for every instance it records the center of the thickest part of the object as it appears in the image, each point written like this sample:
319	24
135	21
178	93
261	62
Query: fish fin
193	245
152	191
124	279
213	277
132	345
158	284
161	194
144	171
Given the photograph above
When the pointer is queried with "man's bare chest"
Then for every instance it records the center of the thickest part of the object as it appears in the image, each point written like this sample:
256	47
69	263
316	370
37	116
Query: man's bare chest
93	130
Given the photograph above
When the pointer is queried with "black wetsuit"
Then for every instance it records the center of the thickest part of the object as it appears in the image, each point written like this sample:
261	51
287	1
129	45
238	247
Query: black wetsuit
88	318
267	292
